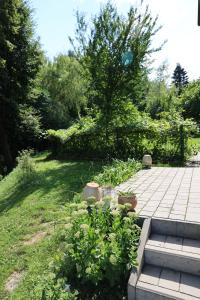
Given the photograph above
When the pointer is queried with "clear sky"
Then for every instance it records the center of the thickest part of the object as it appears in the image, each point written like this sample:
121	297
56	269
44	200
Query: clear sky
55	21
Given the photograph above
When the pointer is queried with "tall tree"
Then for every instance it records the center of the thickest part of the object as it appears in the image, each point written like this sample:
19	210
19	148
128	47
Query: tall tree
19	63
190	100
64	83
179	78
114	51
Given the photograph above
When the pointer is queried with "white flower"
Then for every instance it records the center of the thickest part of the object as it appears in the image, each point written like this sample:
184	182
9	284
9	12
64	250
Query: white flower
68	226
77	235
85	227
112	236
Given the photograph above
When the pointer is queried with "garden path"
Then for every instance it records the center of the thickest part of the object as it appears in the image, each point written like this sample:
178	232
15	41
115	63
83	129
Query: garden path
168	193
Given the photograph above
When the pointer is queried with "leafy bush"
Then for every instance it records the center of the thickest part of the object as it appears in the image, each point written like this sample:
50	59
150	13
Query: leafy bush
49	288
118	172
30	126
99	248
132	137
26	166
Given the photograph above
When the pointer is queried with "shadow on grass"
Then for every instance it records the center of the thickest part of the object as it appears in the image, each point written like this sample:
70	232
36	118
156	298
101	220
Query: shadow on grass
63	181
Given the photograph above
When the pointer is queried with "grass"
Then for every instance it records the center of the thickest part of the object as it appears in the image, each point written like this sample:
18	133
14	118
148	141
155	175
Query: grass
41	205
25	209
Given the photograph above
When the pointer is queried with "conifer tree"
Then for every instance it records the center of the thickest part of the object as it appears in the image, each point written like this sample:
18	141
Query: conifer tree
179	78
19	63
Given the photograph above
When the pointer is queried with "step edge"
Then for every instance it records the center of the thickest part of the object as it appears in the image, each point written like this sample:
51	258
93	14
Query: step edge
187	255
163	291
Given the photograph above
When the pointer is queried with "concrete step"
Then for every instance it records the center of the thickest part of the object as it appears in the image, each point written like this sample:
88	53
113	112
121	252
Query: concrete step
158	283
176	228
180	254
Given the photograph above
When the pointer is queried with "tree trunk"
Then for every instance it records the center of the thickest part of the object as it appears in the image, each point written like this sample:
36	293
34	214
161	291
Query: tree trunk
5	149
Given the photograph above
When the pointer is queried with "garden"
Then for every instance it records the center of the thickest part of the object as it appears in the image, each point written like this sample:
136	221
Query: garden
86	116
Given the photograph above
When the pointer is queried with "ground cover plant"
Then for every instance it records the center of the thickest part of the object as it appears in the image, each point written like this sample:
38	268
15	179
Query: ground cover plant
99	248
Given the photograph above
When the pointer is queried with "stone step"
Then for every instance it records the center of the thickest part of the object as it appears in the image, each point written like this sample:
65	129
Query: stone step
180	254
158	283
176	228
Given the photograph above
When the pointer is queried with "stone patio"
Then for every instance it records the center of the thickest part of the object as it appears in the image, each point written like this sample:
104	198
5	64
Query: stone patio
168	193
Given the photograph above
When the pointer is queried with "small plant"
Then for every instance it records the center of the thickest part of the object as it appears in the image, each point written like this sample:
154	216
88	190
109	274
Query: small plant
26	165
118	172
49	288
127	194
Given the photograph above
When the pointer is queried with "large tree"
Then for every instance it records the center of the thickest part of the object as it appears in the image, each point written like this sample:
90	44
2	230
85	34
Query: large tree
64	84
115	52
19	63
190	100
179	78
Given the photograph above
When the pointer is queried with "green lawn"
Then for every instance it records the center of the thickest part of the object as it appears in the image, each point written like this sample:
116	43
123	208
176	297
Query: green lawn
26	210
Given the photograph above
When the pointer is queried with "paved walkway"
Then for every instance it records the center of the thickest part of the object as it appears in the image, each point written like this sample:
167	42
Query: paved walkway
169	193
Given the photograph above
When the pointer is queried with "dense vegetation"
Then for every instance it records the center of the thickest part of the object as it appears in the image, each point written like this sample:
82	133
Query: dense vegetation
118	108
98	107
34	199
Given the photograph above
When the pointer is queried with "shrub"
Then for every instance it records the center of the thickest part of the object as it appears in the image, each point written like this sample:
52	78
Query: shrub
26	166
49	288
118	172
136	137
99	248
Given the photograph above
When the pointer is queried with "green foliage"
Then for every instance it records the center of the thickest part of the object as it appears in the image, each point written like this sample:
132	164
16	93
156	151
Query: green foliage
51	289
64	84
26	209
130	135
118	172
179	78
160	97
19	64
100	249
101	49
190	100
26	166
83	125
30	126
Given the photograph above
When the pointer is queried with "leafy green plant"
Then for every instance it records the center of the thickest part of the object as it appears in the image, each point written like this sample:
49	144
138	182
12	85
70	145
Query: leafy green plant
49	288
118	172
26	166
99	248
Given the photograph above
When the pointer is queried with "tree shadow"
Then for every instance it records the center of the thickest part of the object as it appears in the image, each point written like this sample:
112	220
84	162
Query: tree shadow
65	181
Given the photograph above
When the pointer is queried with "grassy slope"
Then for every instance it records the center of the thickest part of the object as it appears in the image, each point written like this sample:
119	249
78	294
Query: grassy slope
24	209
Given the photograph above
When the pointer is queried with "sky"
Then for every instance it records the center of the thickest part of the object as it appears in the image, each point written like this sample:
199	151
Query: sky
55	21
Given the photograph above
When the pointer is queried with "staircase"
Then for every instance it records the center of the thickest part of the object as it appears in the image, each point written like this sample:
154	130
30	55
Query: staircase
171	263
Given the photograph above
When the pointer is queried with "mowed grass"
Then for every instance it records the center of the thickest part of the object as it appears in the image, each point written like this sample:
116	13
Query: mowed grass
40	206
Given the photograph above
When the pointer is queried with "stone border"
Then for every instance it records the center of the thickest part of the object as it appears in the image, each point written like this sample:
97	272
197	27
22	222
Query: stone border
135	273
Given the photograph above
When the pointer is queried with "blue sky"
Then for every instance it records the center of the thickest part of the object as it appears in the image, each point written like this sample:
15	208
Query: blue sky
55	21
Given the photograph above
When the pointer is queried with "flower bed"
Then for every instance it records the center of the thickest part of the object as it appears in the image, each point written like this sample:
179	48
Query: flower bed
99	248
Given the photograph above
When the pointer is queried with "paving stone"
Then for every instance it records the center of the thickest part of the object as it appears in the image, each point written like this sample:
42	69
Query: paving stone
176	217
146	213
163	215
163	190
